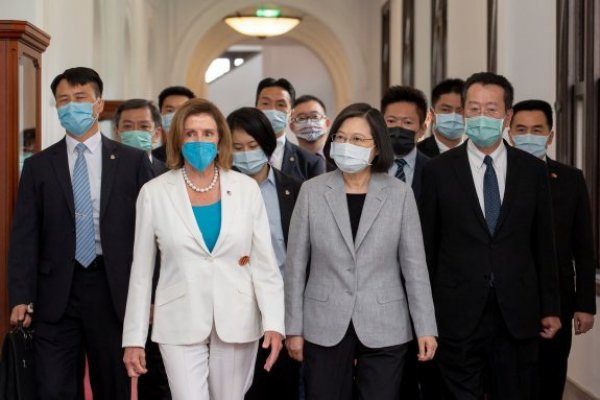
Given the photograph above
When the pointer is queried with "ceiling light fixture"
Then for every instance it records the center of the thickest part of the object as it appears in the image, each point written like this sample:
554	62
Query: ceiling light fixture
266	22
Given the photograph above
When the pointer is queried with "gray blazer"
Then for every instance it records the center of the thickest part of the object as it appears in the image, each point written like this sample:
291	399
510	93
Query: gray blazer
358	281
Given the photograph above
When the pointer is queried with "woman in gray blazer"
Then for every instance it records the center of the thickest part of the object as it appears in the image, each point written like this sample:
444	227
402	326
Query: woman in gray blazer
355	271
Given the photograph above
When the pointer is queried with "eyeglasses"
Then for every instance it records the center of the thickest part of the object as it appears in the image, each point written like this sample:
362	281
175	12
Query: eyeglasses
311	118
356	140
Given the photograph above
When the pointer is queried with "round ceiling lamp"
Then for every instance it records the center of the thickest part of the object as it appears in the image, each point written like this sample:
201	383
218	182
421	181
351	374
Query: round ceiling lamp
266	22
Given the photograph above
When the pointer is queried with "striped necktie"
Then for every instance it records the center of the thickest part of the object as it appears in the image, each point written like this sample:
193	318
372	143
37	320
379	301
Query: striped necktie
85	237
401	163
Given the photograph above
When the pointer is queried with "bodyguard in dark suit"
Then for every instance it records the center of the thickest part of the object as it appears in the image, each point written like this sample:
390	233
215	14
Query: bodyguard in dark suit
487	222
253	143
276	98
447	126
531	131
404	110
137	123
71	245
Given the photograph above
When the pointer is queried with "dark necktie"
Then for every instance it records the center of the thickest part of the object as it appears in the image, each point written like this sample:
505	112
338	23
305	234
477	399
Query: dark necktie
401	163
491	195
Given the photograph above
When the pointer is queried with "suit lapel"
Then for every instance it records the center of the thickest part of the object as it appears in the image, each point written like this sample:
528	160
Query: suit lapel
286	202
465	177
417	179
511	186
110	161
177	193
336	199
228	205
375	199
60	163
290	159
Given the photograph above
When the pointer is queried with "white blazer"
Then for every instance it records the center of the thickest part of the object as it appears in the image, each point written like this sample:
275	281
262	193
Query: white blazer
197	288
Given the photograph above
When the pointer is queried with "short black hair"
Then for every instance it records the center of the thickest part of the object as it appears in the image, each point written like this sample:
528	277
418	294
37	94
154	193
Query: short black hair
397	94
309	97
445	87
490	78
535	105
174	91
383	161
135	104
281	82
256	124
79	76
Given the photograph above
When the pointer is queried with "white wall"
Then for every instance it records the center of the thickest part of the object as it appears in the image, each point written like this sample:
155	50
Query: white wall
584	362
467	38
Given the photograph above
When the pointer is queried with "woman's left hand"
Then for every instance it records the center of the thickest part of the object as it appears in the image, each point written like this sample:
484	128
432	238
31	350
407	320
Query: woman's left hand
427	347
274	341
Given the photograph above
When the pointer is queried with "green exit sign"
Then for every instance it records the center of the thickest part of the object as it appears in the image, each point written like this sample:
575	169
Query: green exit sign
268	12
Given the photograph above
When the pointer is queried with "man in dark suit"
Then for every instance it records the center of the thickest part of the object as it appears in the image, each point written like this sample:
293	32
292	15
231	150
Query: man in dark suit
169	101
71	246
531	131
447	126
276	98
137	123
404	109
487	224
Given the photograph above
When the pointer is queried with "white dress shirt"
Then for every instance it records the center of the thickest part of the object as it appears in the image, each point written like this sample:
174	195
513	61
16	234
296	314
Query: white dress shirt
478	169
93	159
277	156
409	168
442	147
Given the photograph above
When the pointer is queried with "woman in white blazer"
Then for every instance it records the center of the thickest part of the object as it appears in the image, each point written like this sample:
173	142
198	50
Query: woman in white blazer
220	287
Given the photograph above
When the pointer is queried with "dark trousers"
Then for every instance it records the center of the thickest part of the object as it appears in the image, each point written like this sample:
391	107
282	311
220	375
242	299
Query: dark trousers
511	364
554	356
330	373
420	380
89	327
281	383
154	384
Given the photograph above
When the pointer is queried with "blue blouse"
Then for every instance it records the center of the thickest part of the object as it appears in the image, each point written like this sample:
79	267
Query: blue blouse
208	219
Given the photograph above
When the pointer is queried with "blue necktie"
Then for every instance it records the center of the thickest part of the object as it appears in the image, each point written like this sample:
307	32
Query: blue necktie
401	163
491	195
85	237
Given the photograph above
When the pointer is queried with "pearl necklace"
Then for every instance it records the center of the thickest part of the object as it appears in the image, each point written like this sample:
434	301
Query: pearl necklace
196	188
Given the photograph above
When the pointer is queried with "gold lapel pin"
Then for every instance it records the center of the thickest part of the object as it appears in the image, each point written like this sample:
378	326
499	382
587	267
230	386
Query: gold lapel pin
553	175
244	261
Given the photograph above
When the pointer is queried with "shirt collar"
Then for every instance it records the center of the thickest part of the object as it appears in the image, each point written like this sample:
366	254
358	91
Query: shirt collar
477	156
443	148
92	143
281	141
270	178
410	158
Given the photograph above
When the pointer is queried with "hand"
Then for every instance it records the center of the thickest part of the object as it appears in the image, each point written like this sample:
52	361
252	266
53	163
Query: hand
583	322
273	340
295	347
135	361
550	325
427	347
19	314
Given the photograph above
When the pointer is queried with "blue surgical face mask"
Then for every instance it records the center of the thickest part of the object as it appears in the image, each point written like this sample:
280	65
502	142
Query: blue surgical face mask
278	119
166	121
483	131
250	162
349	157
77	118
139	139
451	126
533	144
199	154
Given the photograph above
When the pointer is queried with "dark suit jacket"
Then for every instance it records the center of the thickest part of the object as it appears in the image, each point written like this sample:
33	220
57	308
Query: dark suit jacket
301	164
287	192
574	239
158	167
417	182
160	153
429	147
462	254
42	244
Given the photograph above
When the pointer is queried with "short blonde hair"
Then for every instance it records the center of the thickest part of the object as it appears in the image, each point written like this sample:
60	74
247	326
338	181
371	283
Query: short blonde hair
175	139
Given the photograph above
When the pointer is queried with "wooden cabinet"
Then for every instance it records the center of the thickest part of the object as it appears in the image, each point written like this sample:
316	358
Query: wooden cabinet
21	48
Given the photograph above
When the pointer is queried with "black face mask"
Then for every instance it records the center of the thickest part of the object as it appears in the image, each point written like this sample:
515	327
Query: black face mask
403	140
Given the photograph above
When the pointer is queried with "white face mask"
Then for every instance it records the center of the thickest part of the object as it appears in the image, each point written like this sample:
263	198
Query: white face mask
311	131
350	158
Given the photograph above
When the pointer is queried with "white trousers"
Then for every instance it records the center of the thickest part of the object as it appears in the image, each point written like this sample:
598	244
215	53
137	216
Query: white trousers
211	370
